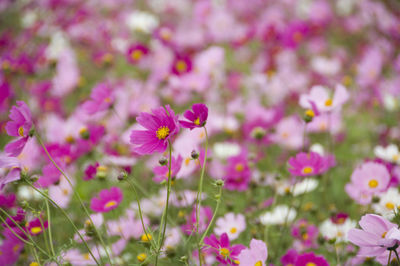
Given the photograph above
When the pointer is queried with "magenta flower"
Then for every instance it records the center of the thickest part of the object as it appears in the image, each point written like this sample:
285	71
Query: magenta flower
136	52
237	173
226	254
197	117
107	200
101	99
19	126
35	227
50	175
289	259
308	259
7	200
306	233
181	65
257	254
161	172
160	127
307	164
91	171
205	215
375	236
13	165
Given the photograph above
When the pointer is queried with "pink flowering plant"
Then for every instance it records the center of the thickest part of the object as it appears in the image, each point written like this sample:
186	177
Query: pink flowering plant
243	132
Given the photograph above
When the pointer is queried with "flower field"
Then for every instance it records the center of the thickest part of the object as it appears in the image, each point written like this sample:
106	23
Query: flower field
203	132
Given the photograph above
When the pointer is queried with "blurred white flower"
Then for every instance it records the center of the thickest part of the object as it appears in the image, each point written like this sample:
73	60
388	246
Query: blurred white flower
389	153
232	224
223	150
388	203
142	21
339	231
280	215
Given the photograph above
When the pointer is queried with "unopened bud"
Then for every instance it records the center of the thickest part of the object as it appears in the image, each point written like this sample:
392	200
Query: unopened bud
308	115
219	183
194	155
258	133
122	176
163	161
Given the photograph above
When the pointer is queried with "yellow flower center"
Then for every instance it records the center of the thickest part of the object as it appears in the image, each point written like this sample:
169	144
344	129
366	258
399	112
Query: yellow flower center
34	263
197	121
373	183
165	34
36	230
307	170
69	139
187	161
328	102
107	58
311	264
258	263
86	256
146	237
389	206
141	257
83	130
101	168
162	132
310	113
111	203
233	230
384	234
21	131
16	247
239	167
136	55
107	100
285	135
305	236
181	66
224	252
395	157
65	191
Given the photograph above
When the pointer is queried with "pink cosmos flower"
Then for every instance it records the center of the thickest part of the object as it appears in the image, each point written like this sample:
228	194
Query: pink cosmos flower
310	259
305	233
35	227
197	117
90	171
375	236
181	65
7	200
289	259
50	175
205	215
13	165
161	172
19	126
108	200
307	164
226	254
237	173
232	224
136	52
257	254
160	127
101	99
320	96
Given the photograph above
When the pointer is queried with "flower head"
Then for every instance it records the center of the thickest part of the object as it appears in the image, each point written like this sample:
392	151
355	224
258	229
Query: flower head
108	200
161	172
160	126
136	53
307	164
226	254
232	224
197	117
256	255
36	227
310	259
237	173
101	99
19	126
181	65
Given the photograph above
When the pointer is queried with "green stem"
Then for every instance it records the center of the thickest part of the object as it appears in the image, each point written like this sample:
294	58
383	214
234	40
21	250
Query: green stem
390	255
397	256
49	230
164	220
68	218
46	242
199	193
219	195
75	193
36	256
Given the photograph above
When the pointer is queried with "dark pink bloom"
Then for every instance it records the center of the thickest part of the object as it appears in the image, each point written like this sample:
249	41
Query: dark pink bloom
289	258
307	259
181	65
19	126
205	215
161	172
136	52
50	175
35	227
108	200
160	126
13	165
101	99
7	201
307	164
226	254
375	236
18	217
90	171
237	173
306	233
197	117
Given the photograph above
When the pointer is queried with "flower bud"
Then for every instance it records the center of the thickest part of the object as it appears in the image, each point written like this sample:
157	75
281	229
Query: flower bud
122	176
194	155
163	161
219	183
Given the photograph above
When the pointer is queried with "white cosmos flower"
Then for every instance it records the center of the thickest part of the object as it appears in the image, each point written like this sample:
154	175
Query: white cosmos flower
307	185
232	224
388	203
142	21
279	215
339	231
390	153
223	150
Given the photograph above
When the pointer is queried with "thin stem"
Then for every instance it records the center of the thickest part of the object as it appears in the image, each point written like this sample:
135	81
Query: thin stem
49	229
219	195
75	193
199	193
140	209
164	225
69	219
390	255
36	256
46	242
397	256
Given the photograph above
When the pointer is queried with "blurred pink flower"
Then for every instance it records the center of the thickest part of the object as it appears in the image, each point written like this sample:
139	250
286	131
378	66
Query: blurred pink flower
197	116
307	164
108	200
257	254
101	99
161	172
226	254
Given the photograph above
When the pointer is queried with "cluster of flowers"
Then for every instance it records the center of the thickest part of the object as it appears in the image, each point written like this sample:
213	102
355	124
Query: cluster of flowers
237	132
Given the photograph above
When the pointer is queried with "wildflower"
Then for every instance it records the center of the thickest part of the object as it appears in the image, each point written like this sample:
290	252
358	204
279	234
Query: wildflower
181	65
232	224
205	215
308	259
256	255
375	236
237	173
136	52
305	233
107	200
197	117
337	227
307	164
36	226
390	153
226	254
319	96
19	126
160	127
388	203
101	99
280	215
161	172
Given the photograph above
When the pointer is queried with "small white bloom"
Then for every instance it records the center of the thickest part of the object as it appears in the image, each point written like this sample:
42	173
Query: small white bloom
232	224
28	193
339	231
318	148
326	66
390	153
223	150
142	21
307	185
388	203
280	215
